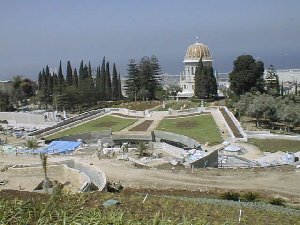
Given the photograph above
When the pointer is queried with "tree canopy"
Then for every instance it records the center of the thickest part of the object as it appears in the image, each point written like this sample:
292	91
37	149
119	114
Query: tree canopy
80	89
272	81
247	75
284	109
205	81
143	80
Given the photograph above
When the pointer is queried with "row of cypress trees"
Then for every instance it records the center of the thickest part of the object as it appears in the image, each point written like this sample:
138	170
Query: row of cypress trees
85	87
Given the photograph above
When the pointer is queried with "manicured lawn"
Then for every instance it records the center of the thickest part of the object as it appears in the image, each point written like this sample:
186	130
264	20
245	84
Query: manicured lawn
273	145
201	128
102	123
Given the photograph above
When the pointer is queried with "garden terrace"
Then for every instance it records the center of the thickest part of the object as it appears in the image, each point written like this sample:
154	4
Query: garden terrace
202	128
231	124
112	123
142	126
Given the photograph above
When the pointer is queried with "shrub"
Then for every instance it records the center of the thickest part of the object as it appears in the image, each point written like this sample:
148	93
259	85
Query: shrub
277	201
233	196
251	196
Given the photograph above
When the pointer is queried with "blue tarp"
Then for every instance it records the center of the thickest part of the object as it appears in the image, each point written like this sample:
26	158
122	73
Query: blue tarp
56	147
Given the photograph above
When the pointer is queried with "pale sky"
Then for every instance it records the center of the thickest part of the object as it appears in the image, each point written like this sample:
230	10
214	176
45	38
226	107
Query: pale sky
35	33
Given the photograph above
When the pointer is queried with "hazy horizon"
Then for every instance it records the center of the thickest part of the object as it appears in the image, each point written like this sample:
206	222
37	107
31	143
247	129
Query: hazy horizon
35	33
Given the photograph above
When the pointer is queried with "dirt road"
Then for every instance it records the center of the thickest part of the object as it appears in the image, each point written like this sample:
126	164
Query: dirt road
285	180
281	180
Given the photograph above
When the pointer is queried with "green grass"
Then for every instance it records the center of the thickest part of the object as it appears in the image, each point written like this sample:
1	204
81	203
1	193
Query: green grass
102	123
88	209
273	145
201	128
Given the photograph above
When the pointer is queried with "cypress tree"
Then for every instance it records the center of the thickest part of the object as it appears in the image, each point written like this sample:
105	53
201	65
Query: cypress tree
81	73
40	80
47	75
212	87
50	85
85	72
61	79
44	94
102	87
120	96
205	81
75	78
114	88
98	83
198	79
90	83
55	83
90	71
69	78
107	82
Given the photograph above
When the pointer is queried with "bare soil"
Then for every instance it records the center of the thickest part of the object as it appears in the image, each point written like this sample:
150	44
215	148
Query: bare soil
187	124
278	181
105	124
230	123
142	126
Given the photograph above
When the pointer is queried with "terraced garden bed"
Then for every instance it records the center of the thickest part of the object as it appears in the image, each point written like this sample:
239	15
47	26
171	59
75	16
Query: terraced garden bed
142	126
231	124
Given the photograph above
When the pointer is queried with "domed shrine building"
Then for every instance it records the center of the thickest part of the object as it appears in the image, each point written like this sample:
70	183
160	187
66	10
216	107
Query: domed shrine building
191	59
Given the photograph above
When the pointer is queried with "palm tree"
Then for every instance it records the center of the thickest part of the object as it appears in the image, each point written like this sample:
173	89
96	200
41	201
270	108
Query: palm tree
46	183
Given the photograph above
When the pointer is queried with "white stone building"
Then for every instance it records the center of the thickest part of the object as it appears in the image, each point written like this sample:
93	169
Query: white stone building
191	59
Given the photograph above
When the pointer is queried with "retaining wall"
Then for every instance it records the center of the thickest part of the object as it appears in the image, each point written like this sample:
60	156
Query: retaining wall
185	111
211	160
61	173
126	112
170	149
273	136
162	135
97	177
68	123
89	137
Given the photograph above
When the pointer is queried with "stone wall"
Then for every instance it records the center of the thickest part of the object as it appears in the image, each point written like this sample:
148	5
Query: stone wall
126	112
89	137
61	173
162	135
211	160
97	177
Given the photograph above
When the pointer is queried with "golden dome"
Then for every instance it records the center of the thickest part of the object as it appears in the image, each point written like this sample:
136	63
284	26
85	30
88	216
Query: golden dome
196	51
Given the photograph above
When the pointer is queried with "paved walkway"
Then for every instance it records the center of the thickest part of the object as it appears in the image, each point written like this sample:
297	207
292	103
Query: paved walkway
221	123
156	116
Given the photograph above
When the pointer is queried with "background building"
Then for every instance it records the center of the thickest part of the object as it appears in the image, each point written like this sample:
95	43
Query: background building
191	59
6	86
